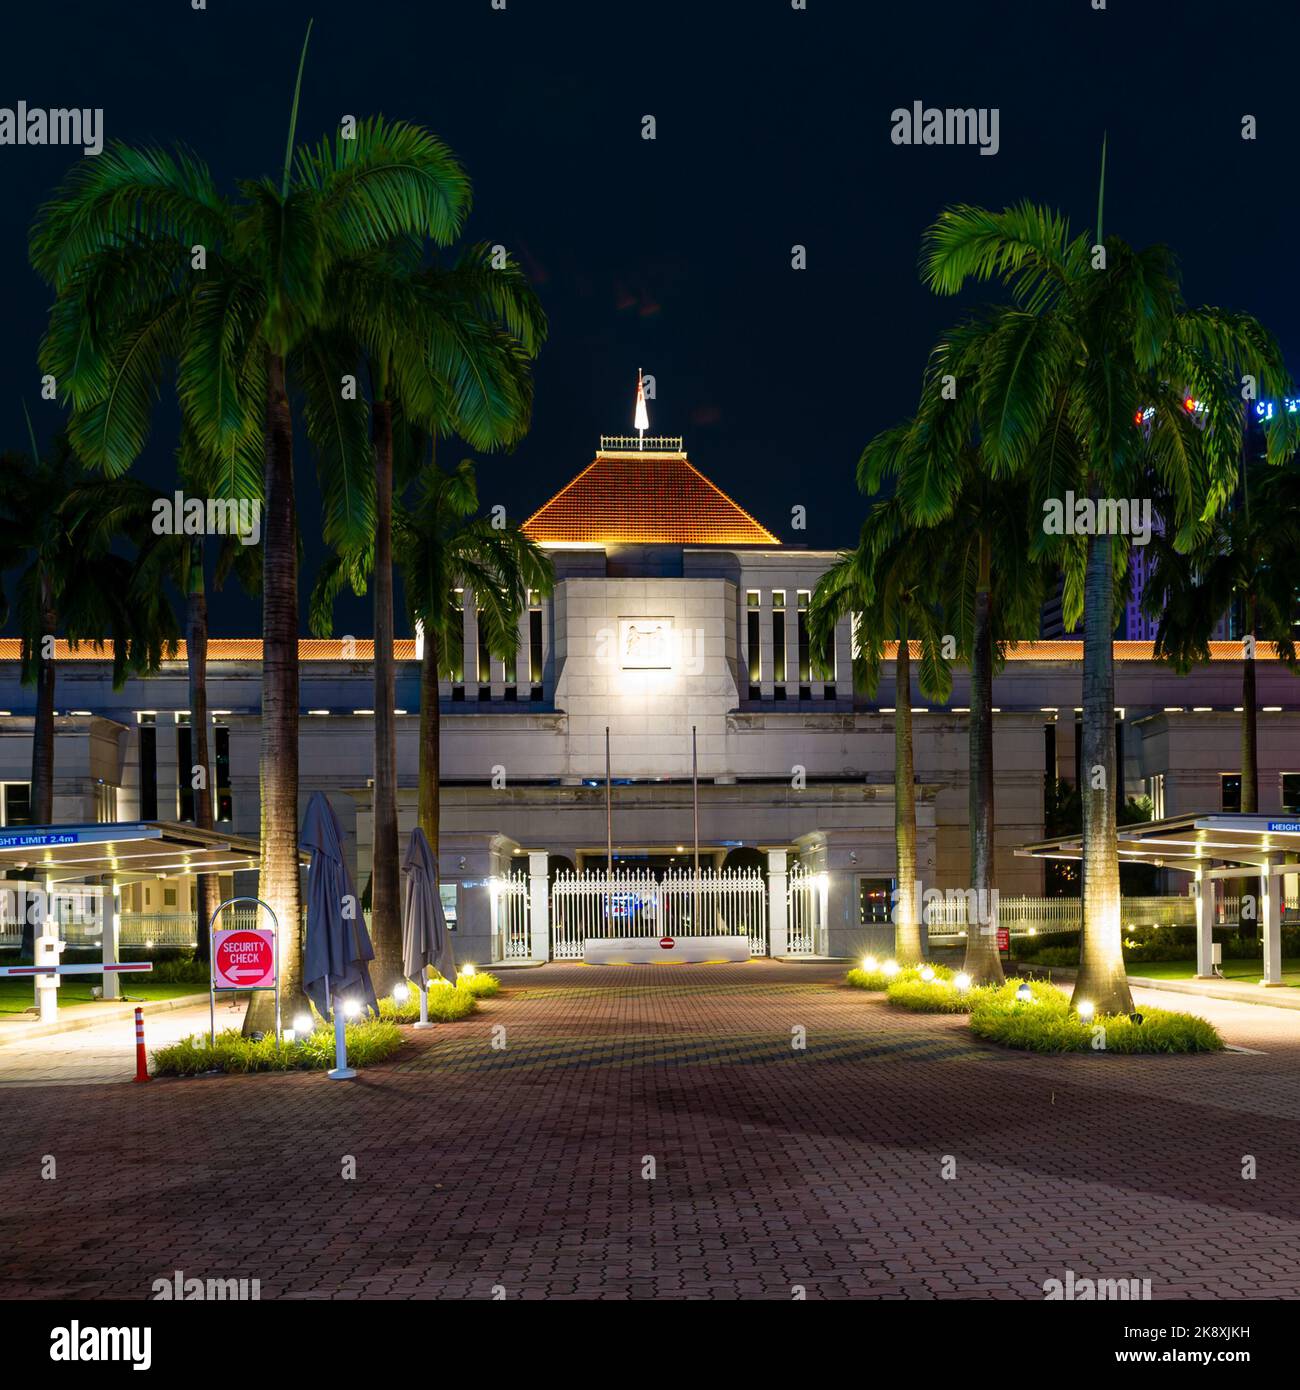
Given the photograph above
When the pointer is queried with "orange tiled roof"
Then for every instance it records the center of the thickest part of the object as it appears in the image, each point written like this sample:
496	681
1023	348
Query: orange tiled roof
331	649
232	649
659	499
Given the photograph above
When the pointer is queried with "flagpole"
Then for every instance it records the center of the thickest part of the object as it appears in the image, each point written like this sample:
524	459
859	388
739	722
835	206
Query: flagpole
609	837
695	824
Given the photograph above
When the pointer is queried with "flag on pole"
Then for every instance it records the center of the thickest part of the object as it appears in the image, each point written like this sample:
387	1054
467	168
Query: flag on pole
642	414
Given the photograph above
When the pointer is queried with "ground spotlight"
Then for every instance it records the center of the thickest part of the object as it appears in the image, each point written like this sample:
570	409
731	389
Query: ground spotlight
962	982
401	992
870	964
1024	993
927	974
890	967
1085	1009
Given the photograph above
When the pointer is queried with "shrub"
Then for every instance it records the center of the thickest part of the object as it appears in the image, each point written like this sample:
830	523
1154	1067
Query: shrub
446	1005
878	980
936	996
370	1041
1046	1024
481	985
180	970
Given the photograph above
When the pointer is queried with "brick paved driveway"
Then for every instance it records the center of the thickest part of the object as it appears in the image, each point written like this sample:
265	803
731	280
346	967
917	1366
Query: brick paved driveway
774	1168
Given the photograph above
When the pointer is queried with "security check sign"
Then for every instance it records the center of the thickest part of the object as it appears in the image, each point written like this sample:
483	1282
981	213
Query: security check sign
243	959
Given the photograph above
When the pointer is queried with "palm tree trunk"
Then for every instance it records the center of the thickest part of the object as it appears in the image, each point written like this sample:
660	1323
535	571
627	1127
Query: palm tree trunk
1102	979
1249	724
982	964
385	899
42	752
196	654
43	731
278	872
908	943
1250	757
430	739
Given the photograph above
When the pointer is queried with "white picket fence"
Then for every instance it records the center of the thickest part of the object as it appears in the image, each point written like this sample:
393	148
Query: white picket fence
512	937
1043	916
634	903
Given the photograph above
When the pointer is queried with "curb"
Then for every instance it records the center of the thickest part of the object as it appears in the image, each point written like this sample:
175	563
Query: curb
1270	998
14	1033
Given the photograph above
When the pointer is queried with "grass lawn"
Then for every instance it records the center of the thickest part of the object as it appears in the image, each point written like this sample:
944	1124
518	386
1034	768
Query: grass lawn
1250	971
20	994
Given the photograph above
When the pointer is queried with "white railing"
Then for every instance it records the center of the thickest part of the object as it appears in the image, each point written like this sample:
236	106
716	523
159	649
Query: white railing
634	903
1043	916
804	925
150	930
512	937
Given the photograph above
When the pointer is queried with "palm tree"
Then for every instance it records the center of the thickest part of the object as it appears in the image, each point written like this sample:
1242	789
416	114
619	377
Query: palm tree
445	551
887	585
1243	558
1096	337
127	507
69	583
992	592
152	265
446	351
442	546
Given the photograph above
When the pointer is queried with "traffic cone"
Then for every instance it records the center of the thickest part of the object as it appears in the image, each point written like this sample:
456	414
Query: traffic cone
141	1062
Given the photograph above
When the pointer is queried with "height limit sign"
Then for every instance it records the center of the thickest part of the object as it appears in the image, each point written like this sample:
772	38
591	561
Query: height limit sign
243	960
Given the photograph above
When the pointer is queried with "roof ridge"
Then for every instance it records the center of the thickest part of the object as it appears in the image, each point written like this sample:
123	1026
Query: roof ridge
727	497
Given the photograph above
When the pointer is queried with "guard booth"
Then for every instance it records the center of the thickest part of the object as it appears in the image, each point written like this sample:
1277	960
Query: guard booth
85	867
1214	849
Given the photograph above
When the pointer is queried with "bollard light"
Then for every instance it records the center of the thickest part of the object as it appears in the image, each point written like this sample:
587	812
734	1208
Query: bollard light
962	982
1025	994
401	992
1085	1009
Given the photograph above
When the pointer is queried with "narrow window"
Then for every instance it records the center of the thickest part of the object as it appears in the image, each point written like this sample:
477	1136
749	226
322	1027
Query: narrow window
148	735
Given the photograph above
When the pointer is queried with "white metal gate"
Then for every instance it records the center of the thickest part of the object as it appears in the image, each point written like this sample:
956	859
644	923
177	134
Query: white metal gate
637	904
804	919
511	919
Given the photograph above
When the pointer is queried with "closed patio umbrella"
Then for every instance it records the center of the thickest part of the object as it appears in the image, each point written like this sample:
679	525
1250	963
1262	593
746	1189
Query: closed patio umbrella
425	938
338	944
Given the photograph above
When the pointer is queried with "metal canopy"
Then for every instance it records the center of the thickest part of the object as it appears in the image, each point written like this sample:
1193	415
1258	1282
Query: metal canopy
1231	839
124	852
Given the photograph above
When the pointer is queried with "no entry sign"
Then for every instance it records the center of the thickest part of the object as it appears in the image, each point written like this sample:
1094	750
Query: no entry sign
243	960
666	943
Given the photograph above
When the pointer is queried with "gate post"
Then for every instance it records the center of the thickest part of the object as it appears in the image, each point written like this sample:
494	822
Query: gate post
778	931
539	922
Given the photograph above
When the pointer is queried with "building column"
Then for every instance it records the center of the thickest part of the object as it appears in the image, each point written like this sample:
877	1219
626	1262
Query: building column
1204	925
778	930
539	922
112	932
1272	882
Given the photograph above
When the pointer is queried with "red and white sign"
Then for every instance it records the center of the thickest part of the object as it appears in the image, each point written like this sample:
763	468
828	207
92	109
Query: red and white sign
666	943
1004	939
243	959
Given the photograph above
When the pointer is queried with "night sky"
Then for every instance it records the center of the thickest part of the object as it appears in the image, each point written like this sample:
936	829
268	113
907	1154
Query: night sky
773	129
